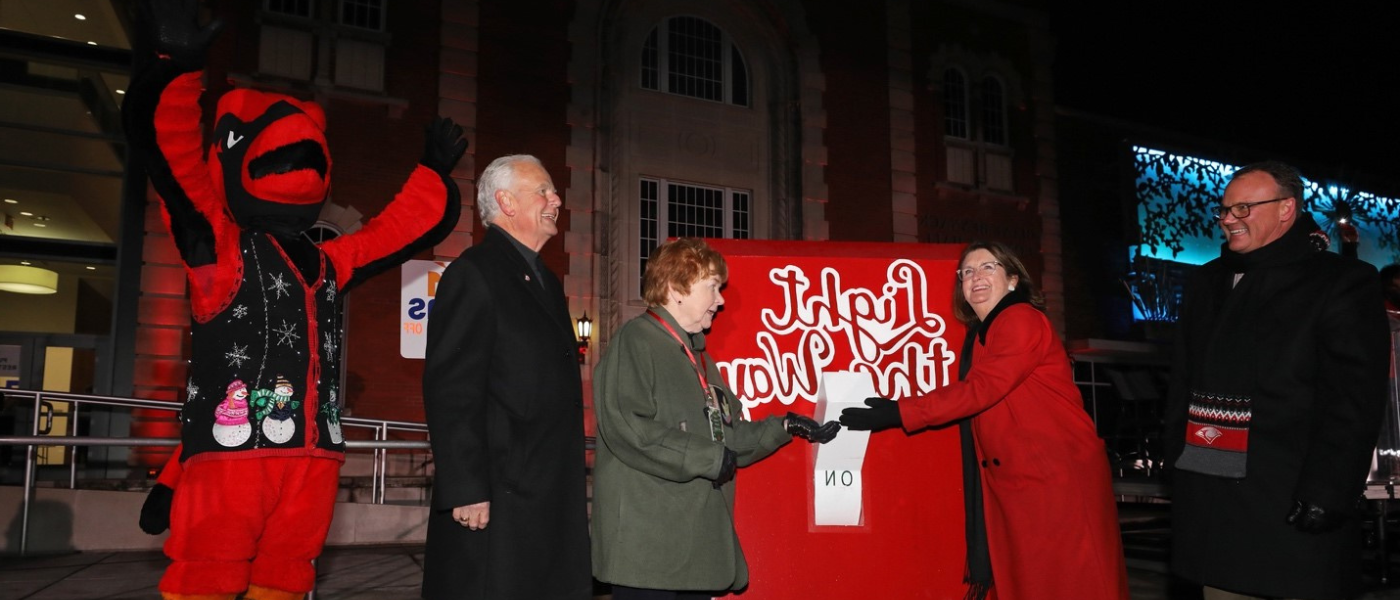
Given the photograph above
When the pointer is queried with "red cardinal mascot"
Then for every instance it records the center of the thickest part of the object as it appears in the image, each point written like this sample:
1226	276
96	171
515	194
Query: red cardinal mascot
258	466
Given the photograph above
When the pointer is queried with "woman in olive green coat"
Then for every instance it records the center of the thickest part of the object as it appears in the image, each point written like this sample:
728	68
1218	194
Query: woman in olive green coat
670	438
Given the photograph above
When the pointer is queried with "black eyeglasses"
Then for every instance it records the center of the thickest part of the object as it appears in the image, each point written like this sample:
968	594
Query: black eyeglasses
1241	210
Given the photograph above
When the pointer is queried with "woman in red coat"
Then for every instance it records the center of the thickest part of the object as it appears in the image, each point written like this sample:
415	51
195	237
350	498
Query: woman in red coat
1044	524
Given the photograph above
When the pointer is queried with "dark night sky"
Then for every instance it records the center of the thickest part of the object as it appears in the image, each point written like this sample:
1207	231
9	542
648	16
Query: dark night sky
1315	84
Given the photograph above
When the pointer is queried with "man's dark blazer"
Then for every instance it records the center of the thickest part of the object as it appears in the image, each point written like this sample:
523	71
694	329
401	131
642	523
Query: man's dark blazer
504	406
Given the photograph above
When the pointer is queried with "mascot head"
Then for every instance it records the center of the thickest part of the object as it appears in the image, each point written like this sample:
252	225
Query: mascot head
269	160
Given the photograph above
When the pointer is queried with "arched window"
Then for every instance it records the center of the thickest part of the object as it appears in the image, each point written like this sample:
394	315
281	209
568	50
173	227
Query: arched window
976	130
955	121
322	231
691	57
993	111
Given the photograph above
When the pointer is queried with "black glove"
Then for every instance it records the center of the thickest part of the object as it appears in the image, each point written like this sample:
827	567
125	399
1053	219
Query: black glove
808	429
1311	518
443	145
155	513
175	27
727	468
882	414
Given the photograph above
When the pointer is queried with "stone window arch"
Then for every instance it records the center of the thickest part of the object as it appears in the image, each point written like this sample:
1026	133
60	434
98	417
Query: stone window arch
698	158
764	155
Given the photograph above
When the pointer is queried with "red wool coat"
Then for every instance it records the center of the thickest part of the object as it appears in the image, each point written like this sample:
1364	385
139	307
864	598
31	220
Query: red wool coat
1052	526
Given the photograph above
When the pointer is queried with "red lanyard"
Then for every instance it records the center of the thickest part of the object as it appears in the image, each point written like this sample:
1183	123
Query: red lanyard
699	372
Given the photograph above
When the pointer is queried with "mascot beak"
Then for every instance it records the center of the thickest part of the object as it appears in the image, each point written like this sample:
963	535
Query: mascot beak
305	154
288	162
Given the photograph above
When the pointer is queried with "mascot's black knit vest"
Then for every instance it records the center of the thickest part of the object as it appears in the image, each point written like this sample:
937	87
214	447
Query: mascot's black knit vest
259	387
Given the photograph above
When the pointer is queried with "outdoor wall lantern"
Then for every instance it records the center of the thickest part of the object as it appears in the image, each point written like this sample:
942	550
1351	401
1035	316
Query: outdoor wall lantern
584	327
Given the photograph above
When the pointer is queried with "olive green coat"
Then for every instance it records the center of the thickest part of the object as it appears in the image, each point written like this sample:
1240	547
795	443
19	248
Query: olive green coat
657	521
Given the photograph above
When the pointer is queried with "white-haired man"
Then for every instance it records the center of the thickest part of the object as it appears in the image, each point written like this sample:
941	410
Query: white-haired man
504	405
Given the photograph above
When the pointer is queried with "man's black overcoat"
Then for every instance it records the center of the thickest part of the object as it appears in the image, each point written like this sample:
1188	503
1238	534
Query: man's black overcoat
1311	340
504	407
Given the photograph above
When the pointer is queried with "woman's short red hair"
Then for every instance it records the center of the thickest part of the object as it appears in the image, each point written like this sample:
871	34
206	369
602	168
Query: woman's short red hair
678	264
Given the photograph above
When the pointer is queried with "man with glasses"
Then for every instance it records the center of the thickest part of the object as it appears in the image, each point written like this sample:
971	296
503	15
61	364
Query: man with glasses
1277	393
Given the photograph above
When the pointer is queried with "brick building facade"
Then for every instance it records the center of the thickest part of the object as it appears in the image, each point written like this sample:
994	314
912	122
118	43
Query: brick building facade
779	119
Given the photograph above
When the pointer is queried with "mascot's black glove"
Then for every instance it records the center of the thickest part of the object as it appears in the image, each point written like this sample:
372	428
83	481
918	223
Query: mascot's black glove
1311	518
443	145
882	414
727	468
155	513
175	27
810	430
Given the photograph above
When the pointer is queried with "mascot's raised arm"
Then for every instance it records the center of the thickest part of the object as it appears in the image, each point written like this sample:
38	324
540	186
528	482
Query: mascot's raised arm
256	474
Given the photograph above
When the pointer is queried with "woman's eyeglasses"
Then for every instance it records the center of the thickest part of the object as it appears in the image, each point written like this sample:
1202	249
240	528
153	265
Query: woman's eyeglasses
986	268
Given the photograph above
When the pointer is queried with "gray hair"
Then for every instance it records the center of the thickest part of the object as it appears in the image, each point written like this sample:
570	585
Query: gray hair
500	174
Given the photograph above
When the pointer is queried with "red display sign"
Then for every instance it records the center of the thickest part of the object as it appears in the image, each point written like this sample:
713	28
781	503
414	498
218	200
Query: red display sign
796	310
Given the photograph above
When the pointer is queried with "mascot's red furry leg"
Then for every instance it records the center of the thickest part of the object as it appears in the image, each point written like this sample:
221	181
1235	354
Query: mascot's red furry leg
252	525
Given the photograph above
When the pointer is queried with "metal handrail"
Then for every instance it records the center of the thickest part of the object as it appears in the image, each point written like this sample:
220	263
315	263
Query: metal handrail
45	440
380	444
176	406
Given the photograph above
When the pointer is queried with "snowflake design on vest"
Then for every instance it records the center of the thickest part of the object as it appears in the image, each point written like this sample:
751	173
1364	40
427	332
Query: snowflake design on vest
280	286
237	355
330	291
240	311
330	345
286	334
191	390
